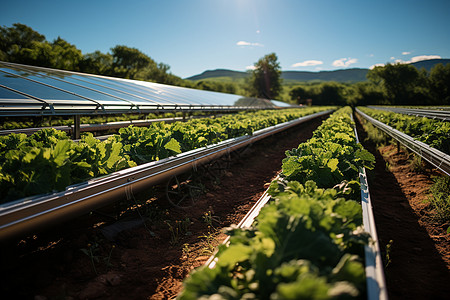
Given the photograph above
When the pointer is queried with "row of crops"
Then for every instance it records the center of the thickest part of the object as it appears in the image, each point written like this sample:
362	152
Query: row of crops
308	242
49	161
435	133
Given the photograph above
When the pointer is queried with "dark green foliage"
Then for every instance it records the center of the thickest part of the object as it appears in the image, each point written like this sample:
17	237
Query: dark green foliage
265	81
21	44
307	242
435	133
331	156
440	199
48	161
439	83
403	84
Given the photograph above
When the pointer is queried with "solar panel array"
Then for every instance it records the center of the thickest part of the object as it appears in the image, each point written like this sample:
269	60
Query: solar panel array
28	90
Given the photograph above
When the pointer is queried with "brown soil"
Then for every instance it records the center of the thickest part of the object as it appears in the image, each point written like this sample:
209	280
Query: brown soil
149	262
419	256
146	262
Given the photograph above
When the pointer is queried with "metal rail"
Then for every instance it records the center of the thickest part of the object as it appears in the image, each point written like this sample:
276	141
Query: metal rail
24	215
435	157
246	222
375	280
92	127
428	113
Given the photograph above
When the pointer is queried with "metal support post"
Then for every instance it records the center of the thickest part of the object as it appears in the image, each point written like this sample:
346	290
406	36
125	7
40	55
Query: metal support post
76	127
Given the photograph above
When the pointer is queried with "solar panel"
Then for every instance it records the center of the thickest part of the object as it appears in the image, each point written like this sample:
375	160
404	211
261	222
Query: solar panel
29	90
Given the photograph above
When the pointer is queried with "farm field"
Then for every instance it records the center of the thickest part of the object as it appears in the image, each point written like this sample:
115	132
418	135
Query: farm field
136	258
404	221
77	261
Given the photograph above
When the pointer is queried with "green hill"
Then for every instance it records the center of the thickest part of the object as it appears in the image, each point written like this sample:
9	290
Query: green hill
219	73
428	64
345	75
348	75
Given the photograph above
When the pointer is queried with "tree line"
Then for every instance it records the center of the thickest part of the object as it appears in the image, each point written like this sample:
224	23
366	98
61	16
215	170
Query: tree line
21	44
393	84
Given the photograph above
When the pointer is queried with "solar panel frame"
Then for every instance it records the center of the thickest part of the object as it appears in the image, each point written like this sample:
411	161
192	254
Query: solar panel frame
75	93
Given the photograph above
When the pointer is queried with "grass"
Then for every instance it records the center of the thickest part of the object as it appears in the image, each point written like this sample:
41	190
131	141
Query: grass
388	258
417	164
210	241
440	199
373	133
178	229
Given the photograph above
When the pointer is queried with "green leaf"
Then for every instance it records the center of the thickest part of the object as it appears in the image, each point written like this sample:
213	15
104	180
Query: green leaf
307	286
234	254
60	153
173	145
114	155
332	164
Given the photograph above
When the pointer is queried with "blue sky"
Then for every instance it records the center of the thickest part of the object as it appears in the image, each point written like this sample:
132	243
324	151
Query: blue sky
197	35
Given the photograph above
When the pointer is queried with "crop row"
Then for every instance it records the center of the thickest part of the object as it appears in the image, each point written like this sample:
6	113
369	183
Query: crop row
435	133
49	161
308	241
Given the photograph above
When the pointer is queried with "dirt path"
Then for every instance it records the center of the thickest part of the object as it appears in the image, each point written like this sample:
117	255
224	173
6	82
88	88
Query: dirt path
145	262
419	264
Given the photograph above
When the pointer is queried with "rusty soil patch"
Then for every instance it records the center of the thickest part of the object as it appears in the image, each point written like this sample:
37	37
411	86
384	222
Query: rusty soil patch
416	249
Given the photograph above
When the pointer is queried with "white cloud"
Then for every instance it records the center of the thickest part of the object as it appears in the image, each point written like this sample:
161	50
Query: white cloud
258	31
406	53
412	60
307	63
376	65
246	44
392	57
250	67
424	57
417	58
344	62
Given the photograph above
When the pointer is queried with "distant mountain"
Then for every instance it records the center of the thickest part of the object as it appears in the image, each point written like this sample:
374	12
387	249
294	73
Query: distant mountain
345	75
428	64
219	73
348	75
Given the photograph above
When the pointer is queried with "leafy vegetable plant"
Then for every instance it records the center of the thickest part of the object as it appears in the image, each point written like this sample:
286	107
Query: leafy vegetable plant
48	161
307	243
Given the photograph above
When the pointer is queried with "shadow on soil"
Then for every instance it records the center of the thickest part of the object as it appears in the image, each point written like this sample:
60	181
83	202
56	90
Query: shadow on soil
415	269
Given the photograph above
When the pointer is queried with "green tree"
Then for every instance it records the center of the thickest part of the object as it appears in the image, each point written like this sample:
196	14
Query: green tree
400	83
14	40
367	93
439	81
331	93
131	63
266	79
21	44
300	94
65	55
96	63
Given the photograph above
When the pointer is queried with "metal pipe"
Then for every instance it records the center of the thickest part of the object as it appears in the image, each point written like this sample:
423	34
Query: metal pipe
375	280
28	214
435	157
